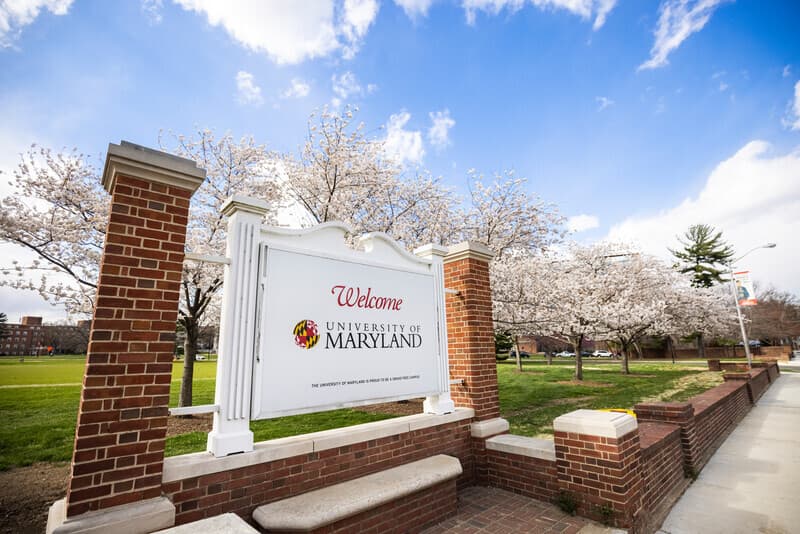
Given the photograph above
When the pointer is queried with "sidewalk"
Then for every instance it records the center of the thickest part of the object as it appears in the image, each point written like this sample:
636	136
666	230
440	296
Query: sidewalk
752	483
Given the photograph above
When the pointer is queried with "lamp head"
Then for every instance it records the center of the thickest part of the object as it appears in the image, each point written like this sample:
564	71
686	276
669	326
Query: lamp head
770	245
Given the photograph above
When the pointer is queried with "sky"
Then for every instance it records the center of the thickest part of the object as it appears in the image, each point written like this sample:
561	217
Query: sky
635	118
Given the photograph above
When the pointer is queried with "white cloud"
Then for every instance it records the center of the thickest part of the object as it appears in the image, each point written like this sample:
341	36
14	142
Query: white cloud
603	102
582	222
16	14
583	8
152	10
787	71
439	132
401	144
793	120
289	34
753	198
723	87
346	85
247	92
415	8
678	19
357	17
297	89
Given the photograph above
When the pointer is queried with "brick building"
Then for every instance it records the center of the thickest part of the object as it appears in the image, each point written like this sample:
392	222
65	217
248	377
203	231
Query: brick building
23	338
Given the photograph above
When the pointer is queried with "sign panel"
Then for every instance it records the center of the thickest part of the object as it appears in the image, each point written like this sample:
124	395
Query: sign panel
335	332
744	289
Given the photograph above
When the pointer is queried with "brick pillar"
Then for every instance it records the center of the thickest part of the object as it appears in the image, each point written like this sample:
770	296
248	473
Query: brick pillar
471	355
598	460
469	329
676	413
122	419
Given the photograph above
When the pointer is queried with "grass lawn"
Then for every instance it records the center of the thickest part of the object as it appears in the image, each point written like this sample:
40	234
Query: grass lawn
531	399
39	401
39	404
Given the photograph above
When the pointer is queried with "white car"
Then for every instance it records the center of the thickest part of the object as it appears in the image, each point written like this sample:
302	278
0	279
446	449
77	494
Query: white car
602	354
565	354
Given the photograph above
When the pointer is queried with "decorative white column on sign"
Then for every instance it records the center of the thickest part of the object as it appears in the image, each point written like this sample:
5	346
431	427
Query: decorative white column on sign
441	403
231	433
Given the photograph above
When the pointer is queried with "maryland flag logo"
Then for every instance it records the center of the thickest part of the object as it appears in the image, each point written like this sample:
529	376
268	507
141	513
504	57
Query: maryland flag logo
306	334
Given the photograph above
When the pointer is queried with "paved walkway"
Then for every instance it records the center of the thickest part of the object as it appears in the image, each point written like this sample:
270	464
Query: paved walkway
752	483
491	510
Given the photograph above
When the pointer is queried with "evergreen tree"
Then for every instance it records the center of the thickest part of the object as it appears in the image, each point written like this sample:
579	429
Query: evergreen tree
4	333
704	252
503	342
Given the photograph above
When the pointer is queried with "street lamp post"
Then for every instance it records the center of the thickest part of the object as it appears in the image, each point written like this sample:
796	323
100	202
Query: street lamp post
736	301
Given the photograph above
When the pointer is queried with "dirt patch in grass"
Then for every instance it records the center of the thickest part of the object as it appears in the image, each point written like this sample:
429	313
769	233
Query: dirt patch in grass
409	407
585	383
26	494
184	425
685	387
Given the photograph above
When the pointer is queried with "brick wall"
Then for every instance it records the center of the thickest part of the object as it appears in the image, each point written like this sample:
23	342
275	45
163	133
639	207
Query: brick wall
603	474
122	419
734	367
716	413
533	477
634	480
663	473
242	490
773	371
759	382
781	352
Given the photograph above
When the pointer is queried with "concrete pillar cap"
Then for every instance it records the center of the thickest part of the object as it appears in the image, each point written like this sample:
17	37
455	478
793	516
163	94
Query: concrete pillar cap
150	165
468	249
244	203
596	423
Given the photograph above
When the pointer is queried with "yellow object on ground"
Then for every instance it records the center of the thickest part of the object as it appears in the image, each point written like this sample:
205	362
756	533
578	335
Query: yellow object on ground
620	410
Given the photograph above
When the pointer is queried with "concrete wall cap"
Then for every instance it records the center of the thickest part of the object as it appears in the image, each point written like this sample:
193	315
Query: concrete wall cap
204	463
544	449
219	524
490	427
134	518
596	423
152	165
325	506
468	249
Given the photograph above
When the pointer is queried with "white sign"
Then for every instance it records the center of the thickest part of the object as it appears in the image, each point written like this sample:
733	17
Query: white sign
310	324
337	331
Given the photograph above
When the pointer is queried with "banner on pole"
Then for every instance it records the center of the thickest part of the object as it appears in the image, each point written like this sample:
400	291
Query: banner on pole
744	289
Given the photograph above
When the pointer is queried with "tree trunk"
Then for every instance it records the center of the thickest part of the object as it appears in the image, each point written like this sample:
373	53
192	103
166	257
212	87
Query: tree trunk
576	347
189	353
671	348
519	356
625	369
701	346
549	355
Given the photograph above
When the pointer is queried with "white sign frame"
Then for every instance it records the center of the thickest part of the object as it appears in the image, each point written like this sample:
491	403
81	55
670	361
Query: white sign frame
241	329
